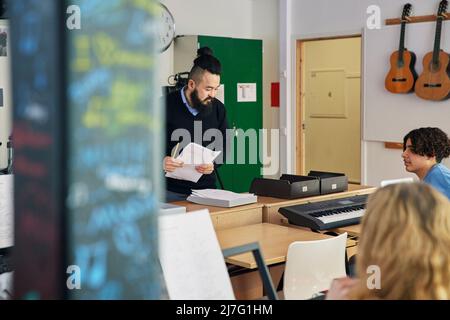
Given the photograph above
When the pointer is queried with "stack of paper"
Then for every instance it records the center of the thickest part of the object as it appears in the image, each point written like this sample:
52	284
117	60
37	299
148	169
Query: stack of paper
168	208
221	198
192	155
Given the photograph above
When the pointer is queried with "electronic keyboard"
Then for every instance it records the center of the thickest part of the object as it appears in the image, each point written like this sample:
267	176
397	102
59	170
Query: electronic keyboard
328	214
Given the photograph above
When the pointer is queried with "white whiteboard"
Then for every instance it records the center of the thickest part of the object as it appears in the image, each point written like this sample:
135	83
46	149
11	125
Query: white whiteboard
387	116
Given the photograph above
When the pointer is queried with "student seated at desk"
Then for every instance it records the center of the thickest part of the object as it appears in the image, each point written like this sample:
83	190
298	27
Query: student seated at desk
423	151
404	248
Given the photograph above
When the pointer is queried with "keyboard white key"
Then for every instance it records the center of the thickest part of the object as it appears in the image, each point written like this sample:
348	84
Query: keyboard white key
342	216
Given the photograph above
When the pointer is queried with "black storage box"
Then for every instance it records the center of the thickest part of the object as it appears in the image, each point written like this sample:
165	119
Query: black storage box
287	187
330	182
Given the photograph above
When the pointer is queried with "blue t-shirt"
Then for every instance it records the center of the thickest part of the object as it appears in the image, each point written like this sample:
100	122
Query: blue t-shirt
439	178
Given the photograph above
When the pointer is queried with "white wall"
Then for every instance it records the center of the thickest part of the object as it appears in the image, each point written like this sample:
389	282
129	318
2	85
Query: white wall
317	18
265	26
5	111
287	78
230	18
251	19
311	17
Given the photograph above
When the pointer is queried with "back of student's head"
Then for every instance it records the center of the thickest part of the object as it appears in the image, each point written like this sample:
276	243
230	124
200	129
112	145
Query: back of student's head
205	61
405	235
429	142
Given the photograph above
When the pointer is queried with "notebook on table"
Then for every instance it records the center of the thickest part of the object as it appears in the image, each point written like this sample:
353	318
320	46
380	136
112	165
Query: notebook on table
221	198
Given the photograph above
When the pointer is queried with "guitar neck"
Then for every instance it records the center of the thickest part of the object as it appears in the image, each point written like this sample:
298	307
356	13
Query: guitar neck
437	41
401	47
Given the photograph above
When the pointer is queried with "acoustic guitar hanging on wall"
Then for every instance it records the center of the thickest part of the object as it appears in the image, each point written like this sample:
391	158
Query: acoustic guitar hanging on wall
402	76
434	82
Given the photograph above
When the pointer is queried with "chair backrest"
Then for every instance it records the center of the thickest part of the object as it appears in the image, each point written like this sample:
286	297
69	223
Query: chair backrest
312	265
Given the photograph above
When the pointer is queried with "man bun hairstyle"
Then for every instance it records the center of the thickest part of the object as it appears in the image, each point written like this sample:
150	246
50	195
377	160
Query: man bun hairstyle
205	51
430	142
205	61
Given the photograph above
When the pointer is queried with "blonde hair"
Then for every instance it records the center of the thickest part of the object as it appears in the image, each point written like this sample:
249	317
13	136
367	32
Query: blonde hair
406	233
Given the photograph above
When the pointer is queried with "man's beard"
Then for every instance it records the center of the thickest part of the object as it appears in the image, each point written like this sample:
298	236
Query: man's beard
203	107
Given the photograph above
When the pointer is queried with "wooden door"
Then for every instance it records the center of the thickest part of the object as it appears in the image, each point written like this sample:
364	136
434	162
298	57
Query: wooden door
331	106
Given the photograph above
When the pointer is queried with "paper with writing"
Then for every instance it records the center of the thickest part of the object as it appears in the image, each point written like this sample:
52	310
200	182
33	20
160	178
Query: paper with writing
191	258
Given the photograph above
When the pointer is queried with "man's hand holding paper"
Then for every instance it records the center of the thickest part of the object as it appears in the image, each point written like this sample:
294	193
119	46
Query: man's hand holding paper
205	168
171	164
197	160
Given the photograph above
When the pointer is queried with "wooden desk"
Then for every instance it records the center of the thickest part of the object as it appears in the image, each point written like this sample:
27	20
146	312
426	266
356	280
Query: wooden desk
354	230
224	218
266	210
353	233
271	205
274	241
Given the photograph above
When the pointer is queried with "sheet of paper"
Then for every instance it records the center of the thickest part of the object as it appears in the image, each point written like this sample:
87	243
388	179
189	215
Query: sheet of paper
220	95
246	92
220	194
191	259
192	155
187	172
6	211
6	285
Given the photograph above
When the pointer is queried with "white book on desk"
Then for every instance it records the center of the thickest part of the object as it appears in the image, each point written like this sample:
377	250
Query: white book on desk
168	208
221	198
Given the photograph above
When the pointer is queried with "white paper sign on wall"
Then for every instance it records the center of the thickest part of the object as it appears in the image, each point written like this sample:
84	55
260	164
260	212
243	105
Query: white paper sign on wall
246	92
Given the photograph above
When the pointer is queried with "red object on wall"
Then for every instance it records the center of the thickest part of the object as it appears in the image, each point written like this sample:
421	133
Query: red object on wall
275	94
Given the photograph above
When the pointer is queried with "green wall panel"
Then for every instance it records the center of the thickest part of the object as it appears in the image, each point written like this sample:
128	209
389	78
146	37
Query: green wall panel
241	63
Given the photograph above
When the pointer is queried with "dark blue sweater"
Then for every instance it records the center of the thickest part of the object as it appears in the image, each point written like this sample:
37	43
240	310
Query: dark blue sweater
179	117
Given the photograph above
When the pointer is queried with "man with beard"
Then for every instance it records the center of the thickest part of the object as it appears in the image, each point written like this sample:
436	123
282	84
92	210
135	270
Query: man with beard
192	107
